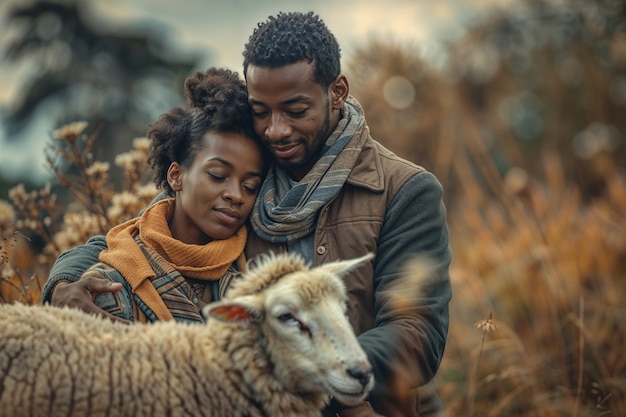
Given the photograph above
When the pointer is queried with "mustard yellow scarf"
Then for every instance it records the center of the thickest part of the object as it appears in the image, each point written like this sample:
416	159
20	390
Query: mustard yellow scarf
205	262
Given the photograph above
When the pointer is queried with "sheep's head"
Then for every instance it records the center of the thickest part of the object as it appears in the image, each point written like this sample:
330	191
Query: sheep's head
302	314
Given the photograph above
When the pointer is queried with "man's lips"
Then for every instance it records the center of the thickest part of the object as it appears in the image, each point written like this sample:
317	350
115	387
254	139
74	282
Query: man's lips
284	151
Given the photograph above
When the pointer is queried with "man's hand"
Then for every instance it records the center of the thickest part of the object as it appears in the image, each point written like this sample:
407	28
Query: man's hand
82	293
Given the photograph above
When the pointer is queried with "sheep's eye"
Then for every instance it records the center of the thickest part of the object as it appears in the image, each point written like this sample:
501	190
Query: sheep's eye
290	319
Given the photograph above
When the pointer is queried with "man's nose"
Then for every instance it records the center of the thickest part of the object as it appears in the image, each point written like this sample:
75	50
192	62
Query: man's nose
278	128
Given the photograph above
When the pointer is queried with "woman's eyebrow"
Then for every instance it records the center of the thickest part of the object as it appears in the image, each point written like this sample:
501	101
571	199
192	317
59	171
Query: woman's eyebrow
231	165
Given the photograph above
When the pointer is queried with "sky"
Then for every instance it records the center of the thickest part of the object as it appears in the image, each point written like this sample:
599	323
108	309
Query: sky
221	28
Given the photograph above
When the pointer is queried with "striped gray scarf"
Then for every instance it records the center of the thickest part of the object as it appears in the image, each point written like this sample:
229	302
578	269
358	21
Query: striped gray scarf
283	213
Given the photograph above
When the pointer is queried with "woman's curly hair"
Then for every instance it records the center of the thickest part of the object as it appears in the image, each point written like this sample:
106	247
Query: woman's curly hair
292	37
218	101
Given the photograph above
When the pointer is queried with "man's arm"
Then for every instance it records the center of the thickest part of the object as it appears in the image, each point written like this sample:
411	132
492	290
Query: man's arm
406	349
64	286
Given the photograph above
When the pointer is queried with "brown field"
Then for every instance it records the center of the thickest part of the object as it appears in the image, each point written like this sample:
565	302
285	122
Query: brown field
530	147
538	318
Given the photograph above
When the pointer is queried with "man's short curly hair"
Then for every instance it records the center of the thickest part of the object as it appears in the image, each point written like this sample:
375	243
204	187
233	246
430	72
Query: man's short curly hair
288	38
217	101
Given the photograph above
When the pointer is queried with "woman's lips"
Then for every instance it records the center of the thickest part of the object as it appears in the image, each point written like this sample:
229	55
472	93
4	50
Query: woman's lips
228	216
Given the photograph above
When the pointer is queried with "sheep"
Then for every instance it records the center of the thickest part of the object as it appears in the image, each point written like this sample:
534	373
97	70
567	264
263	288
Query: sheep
279	344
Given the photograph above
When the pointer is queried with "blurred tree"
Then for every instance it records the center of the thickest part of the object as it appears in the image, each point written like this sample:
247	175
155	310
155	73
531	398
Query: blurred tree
539	78
549	77
399	93
117	78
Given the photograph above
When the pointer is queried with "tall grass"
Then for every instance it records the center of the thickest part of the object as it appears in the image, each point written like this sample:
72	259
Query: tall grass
525	128
538	318
90	205
550	269
532	159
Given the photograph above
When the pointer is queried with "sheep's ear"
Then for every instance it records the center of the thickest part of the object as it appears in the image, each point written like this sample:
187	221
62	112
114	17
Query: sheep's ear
341	267
232	312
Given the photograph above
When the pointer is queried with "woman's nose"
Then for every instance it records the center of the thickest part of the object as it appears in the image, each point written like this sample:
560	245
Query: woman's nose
233	193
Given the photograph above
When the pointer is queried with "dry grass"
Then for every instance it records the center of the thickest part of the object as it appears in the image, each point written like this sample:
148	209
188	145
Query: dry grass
93	206
538	322
525	129
551	271
538	226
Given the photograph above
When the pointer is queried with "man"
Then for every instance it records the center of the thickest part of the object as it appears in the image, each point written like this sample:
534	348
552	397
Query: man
335	193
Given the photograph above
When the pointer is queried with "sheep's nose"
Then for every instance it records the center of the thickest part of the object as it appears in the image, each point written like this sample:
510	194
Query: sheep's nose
363	375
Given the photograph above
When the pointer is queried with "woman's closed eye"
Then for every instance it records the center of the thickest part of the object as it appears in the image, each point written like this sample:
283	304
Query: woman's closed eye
216	176
251	188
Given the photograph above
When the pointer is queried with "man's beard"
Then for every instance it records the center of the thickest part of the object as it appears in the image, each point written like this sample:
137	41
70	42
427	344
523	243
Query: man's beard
319	143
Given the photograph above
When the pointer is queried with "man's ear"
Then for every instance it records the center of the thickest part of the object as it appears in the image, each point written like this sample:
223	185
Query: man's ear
174	176
339	91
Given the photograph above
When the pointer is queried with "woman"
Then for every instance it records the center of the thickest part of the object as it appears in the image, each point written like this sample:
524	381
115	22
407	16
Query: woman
182	252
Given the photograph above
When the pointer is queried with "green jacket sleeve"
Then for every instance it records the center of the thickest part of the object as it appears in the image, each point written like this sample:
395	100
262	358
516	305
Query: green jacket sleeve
71	264
411	343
